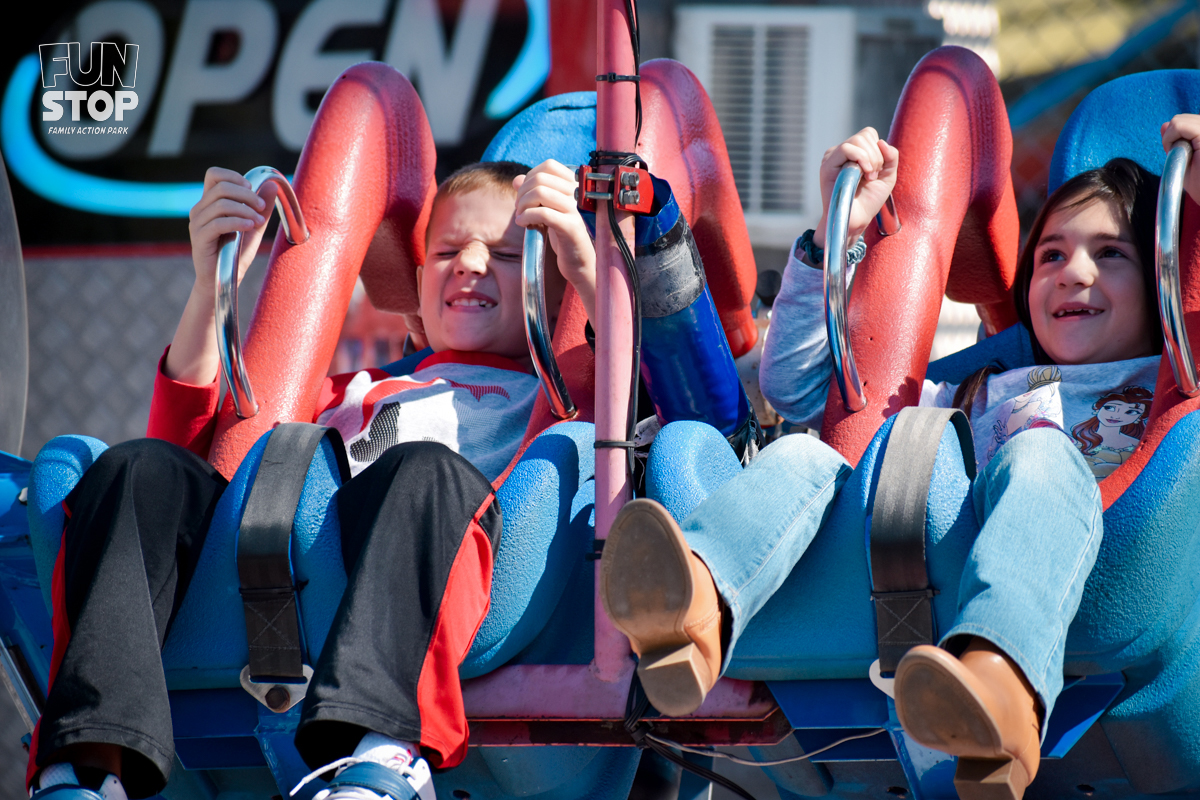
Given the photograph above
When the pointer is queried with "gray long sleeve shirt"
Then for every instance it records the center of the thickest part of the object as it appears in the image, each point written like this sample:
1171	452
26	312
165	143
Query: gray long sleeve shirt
1102	407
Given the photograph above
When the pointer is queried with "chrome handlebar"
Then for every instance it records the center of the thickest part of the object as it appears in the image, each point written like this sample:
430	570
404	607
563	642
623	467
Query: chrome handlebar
229	338
1166	269
836	246
537	325
887	220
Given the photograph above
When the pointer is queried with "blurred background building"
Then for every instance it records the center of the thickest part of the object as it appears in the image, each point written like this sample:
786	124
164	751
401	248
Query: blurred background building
236	82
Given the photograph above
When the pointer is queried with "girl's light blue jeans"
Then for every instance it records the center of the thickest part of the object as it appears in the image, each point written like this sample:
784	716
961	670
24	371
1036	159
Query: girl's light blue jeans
1040	517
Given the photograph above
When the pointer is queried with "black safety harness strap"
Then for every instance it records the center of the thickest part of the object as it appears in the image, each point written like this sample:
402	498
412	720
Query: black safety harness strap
901	591
263	549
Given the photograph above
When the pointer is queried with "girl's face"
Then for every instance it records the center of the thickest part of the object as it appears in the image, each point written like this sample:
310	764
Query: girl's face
1115	414
1087	299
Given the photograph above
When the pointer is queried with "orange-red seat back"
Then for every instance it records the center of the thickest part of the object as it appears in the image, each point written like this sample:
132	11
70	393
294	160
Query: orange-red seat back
958	238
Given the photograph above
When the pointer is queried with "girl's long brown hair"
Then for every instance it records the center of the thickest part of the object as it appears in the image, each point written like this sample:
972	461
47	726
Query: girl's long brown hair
1133	191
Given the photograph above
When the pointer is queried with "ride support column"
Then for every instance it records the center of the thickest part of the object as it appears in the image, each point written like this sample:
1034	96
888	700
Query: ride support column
615	121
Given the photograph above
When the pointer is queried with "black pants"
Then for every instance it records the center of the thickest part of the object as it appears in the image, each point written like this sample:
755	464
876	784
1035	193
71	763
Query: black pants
419	528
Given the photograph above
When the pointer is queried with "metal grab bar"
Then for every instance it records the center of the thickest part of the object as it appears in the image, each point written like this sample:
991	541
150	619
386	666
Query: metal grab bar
229	338
887	220
537	325
836	232
1166	269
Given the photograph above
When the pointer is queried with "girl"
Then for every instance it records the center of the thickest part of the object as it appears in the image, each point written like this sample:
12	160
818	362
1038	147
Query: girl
1085	292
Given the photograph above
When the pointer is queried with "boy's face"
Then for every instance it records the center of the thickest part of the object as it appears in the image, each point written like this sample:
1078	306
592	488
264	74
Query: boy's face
470	285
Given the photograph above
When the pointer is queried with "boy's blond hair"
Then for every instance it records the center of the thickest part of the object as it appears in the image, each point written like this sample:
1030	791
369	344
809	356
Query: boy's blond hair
481	175
495	175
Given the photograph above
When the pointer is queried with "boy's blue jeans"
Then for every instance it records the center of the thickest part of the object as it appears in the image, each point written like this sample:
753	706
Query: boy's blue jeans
1036	501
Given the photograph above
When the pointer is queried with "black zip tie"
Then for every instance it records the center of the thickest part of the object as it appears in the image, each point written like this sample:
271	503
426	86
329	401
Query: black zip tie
597	550
612	77
614	443
619	158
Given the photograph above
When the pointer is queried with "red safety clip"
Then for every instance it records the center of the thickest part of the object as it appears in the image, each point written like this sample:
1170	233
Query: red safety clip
635	190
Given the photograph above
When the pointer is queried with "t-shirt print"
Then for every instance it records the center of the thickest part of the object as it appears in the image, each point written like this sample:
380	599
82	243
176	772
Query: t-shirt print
1111	434
1102	407
479	412
1040	407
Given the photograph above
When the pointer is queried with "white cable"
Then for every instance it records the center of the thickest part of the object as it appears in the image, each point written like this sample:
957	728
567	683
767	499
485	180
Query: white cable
750	763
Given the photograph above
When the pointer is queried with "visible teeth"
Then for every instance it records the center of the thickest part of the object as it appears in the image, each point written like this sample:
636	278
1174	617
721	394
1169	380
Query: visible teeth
1091	312
470	301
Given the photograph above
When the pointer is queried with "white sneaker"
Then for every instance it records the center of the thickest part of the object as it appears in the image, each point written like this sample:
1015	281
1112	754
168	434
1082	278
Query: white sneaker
380	768
60	781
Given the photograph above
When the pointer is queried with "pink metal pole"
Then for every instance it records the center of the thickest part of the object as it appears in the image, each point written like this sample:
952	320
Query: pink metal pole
615	119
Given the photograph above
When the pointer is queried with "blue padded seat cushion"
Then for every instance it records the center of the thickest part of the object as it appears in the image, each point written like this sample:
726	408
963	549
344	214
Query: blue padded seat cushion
57	468
562	127
688	462
1122	118
1139	615
548	499
207	643
547	502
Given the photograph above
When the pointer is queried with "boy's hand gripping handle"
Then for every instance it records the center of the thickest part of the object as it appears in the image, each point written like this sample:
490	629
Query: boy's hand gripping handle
537	325
229	338
1166	269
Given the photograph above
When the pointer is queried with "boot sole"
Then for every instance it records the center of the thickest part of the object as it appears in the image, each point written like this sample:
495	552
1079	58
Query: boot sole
646	588
939	710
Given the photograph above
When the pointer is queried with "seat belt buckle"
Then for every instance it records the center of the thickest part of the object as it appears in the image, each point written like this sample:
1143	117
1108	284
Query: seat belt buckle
277	694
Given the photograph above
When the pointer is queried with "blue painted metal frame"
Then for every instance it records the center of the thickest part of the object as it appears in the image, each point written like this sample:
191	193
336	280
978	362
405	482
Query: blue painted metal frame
824	711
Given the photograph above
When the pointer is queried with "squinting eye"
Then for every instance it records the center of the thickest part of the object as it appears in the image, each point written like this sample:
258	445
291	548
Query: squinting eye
1112	252
506	255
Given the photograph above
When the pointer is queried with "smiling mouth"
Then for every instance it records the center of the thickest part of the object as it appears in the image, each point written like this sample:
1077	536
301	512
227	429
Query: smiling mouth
470	302
1077	312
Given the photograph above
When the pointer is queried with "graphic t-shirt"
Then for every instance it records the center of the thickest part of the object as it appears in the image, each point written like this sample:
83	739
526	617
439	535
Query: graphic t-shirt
475	404
1102	407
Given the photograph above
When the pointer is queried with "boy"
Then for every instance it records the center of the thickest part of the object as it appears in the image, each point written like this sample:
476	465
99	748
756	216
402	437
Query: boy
419	520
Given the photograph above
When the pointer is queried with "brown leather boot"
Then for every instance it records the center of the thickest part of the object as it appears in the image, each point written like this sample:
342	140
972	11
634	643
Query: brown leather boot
661	595
979	708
